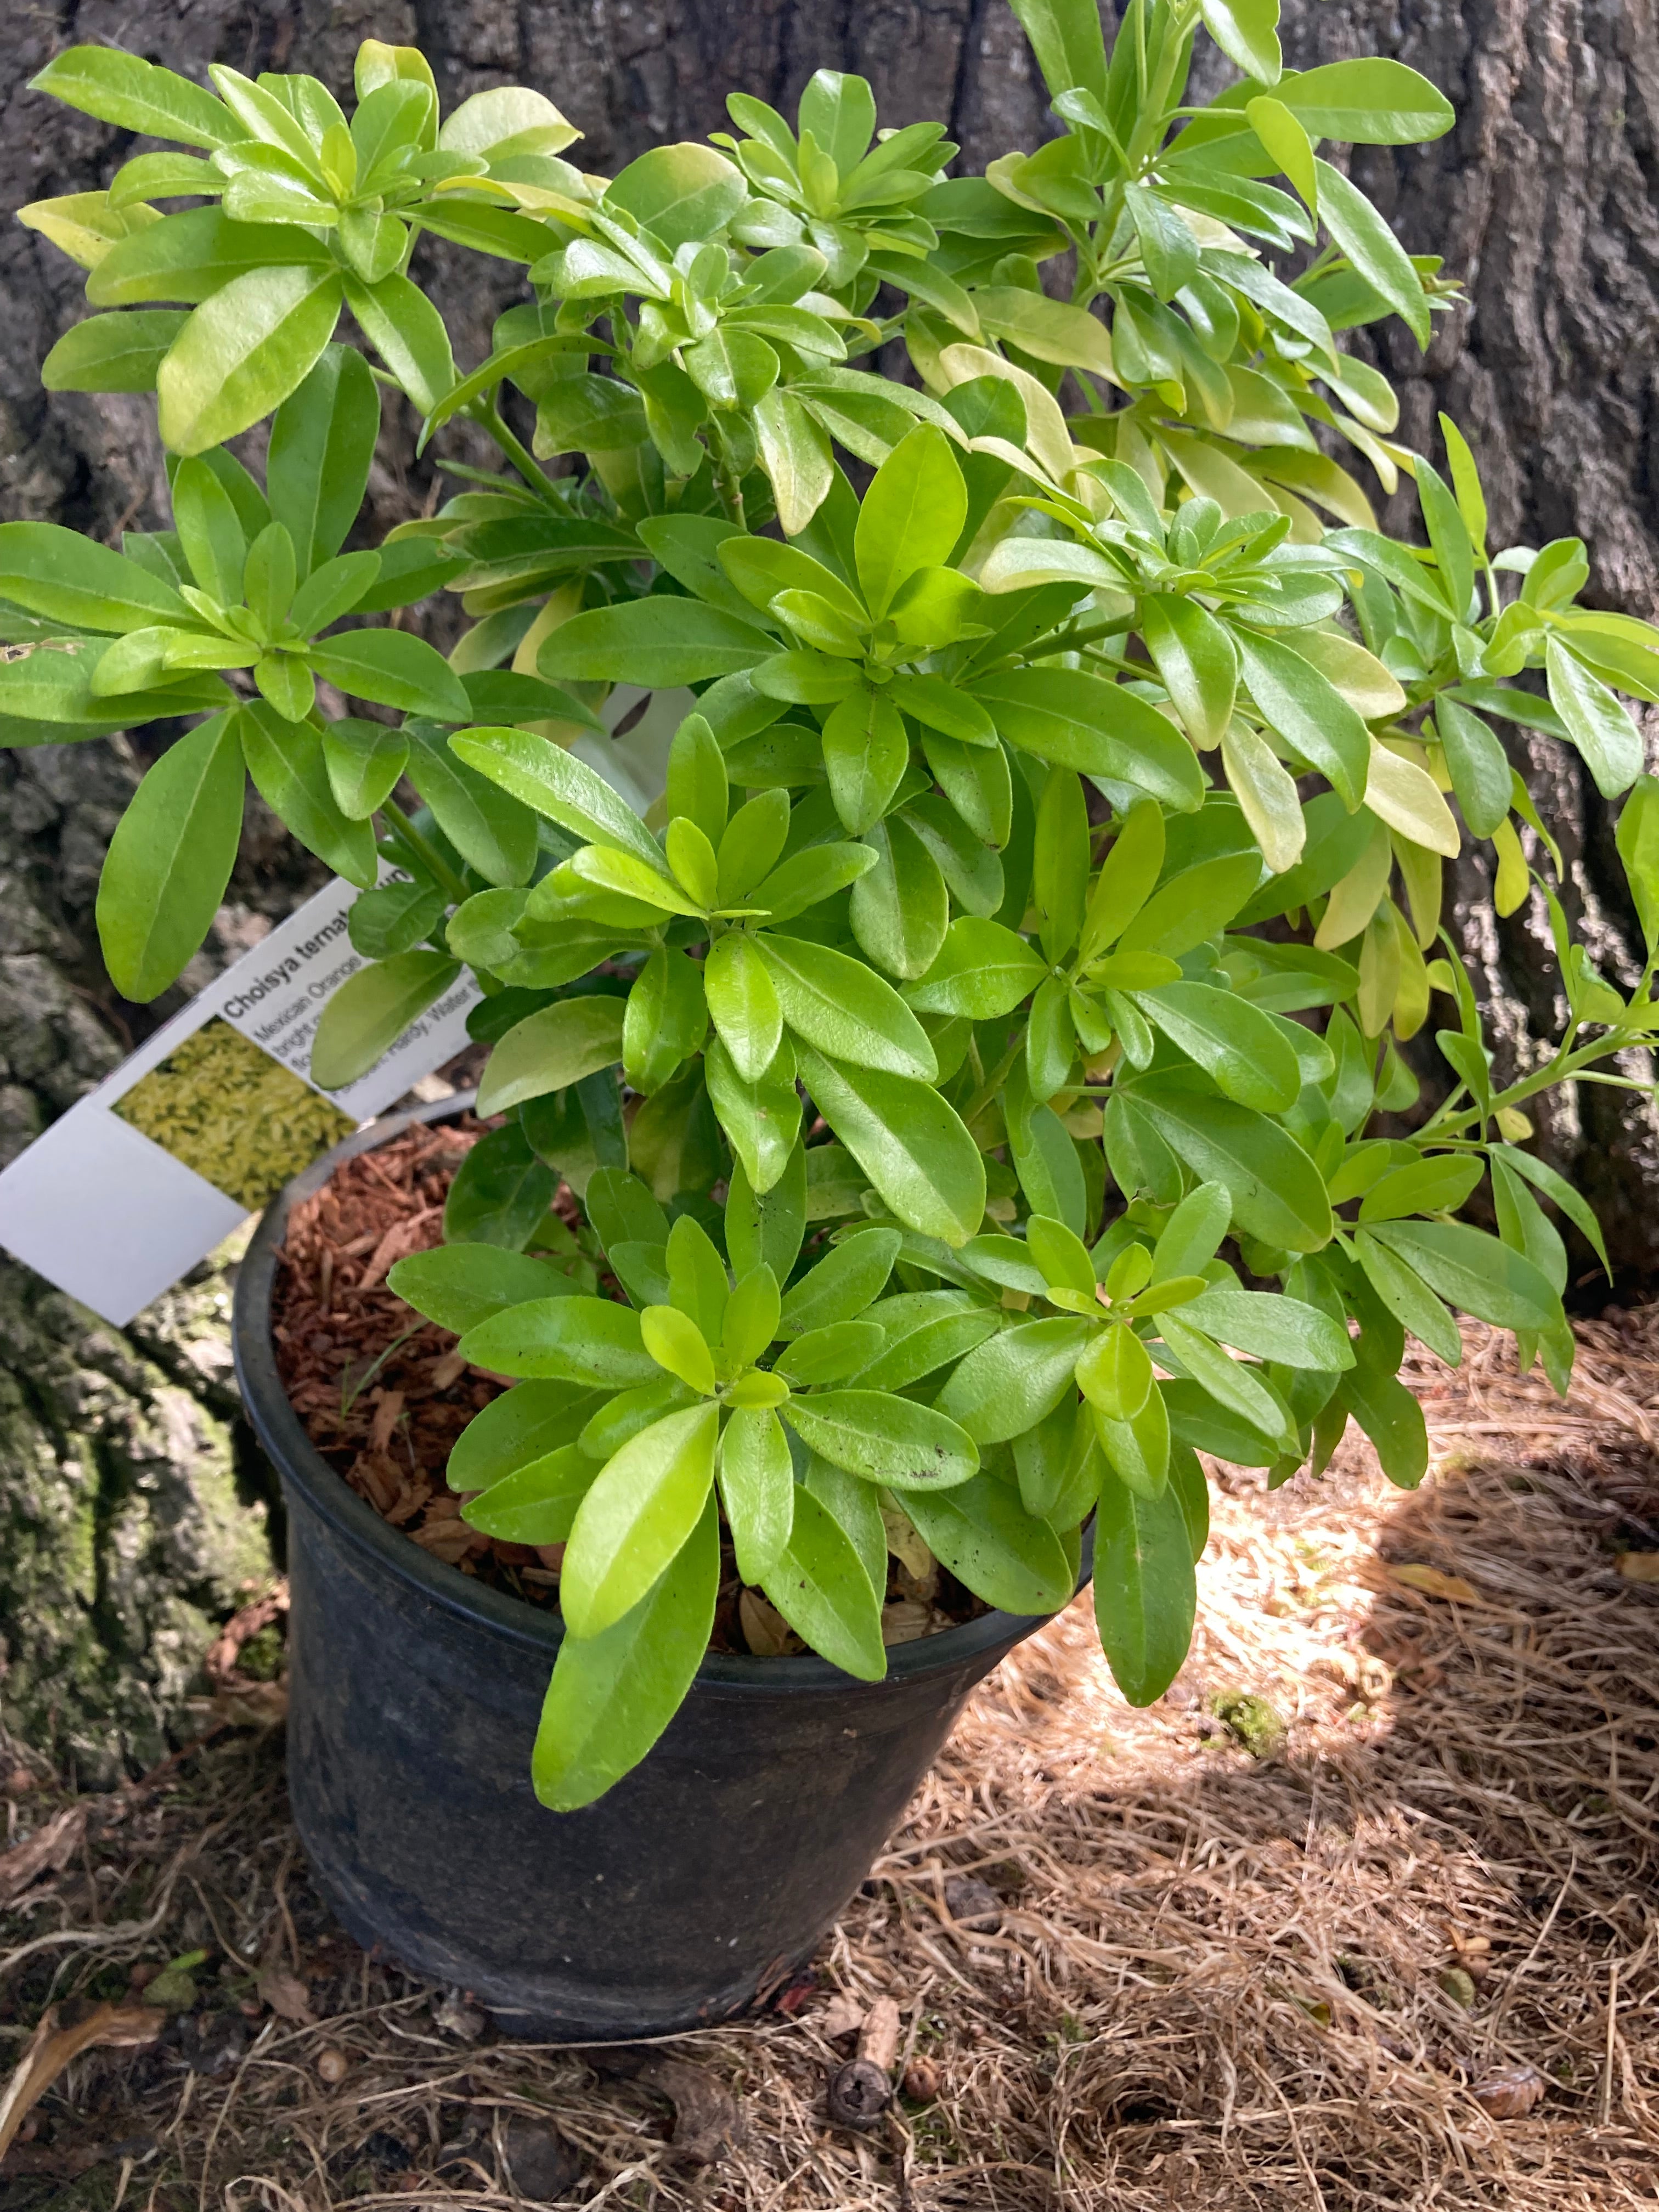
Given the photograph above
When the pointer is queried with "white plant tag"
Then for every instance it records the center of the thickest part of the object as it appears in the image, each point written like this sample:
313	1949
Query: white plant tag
207	1120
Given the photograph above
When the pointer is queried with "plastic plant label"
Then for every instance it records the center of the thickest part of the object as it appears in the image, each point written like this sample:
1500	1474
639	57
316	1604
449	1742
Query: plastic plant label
207	1120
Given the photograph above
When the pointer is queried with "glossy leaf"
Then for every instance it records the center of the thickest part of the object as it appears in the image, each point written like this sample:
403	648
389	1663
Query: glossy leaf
73	580
170	859
1234	1043
500	1196
757	1489
1477	765
556	784
761	1118
1015	1379
849	1278
536	1504
371	1010
834	1004
1277	1192
909	1141
1600	726
655	642
1309	713
1146	1592
884	1439
322	440
579	1340
392	669
243	351
613	1695
1372	248
1474	1270
984	1535
551	1050
524	1424
364	761
821	1587
910	517
287	764
136	96
924	1331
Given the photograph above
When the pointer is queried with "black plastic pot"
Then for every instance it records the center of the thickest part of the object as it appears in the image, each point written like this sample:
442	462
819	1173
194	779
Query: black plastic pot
693	1888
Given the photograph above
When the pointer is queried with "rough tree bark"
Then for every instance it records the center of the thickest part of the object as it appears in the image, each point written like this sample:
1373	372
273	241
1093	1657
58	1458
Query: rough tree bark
130	1505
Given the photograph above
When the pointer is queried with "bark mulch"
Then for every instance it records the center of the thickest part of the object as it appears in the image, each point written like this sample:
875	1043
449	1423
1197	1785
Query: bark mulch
384	1394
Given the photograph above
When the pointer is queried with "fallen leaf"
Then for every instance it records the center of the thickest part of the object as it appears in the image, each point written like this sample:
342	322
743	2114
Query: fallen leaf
907	1620
1433	1583
795	1995
173	1990
285	1993
50	2049
1508	2093
332	2067
446	1536
707	2122
544	2164
904	1541
765	1631
1640	1567
842	2015
48	1850
1459	1985
972	1903
456	2017
221	1658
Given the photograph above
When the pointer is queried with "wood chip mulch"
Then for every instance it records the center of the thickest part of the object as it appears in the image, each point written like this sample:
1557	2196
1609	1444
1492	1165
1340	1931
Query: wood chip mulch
382	1394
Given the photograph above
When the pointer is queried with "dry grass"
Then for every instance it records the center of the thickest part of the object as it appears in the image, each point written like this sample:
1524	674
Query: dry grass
1220	1980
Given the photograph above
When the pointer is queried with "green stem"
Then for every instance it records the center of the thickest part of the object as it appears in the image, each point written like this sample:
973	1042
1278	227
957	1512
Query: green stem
1060	642
1149	134
420	847
727	482
487	416
994	1082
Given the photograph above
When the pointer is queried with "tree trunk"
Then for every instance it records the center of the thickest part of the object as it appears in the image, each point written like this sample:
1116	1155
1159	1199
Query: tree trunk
131	1504
1542	200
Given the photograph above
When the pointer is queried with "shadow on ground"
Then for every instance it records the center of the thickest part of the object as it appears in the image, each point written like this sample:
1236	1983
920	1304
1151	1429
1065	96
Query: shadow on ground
1361	1914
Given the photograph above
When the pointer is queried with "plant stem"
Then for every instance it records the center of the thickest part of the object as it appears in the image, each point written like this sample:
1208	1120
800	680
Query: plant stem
487	416
994	1082
423	850
1043	650
727	482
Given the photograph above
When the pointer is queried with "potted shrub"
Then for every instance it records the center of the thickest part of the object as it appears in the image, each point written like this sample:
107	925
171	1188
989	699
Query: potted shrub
979	1066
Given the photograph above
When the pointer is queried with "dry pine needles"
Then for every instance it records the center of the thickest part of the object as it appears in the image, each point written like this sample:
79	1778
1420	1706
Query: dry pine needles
1361	1914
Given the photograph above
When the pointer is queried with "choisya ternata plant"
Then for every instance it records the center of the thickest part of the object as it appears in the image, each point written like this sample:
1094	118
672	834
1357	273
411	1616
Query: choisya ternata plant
967	1063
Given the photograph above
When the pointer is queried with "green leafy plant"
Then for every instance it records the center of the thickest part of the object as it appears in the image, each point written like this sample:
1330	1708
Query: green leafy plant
969	1057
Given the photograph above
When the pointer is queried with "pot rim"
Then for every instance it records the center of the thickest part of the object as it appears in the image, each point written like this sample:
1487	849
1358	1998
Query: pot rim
282	1435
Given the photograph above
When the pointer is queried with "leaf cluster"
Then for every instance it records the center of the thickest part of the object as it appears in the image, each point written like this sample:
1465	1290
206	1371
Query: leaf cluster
963	1003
